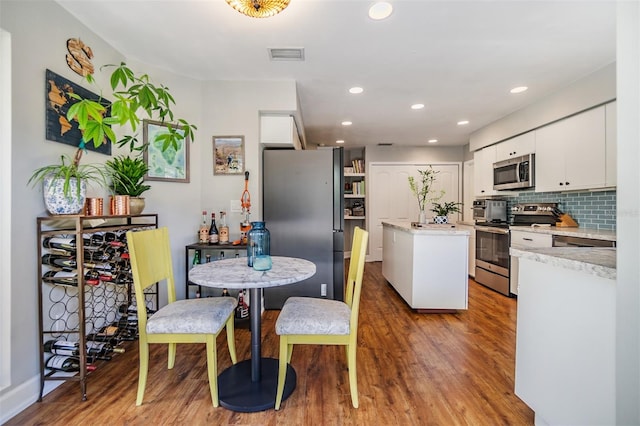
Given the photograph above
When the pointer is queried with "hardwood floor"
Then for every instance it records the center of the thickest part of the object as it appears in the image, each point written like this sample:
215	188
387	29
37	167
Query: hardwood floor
413	369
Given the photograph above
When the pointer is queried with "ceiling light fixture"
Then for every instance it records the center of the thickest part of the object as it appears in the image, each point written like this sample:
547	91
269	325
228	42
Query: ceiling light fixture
347	123
339	141
380	10
518	89
356	90
259	8
463	122
417	106
432	140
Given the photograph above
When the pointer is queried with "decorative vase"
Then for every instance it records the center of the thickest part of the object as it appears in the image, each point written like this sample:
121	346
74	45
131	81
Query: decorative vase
136	205
441	219
422	217
57	203
259	246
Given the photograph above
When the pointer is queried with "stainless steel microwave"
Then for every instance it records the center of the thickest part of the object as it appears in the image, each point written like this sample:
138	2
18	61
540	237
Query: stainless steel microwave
514	173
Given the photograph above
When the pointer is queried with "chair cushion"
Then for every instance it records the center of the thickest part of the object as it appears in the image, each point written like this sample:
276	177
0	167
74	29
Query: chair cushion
308	315
194	316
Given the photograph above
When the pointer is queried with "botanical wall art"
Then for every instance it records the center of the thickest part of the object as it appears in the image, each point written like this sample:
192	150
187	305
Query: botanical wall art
165	163
228	155
58	101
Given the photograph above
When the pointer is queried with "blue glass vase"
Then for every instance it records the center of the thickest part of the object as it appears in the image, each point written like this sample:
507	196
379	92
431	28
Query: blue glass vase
258	243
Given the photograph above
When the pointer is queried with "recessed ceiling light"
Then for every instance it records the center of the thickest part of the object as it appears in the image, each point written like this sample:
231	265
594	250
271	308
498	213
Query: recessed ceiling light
518	89
463	122
432	140
356	90
380	10
417	106
339	141
347	123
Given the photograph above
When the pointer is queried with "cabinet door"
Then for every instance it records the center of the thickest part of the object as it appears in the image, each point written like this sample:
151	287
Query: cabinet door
516	147
570	154
483	171
611	141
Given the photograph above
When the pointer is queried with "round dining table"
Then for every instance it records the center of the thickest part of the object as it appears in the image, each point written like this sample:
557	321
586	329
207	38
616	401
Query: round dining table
250	385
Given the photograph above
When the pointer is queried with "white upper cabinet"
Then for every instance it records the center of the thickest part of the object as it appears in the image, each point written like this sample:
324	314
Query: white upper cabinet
611	132
279	131
516	147
483	160
570	154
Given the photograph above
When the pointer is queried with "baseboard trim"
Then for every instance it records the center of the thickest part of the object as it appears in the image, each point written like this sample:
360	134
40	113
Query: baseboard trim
17	399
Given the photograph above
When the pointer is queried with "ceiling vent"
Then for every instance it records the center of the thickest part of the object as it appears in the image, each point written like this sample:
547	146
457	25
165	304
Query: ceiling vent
385	144
286	54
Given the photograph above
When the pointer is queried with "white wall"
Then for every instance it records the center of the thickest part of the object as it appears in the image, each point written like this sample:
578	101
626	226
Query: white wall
628	220
594	89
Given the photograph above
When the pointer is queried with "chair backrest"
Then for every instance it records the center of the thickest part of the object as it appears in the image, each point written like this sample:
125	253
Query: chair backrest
150	255
356	274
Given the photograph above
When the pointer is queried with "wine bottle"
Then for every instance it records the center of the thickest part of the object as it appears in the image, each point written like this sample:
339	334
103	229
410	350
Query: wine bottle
63	243
242	310
225	292
68	278
62	347
224	229
101	350
203	234
65	262
196	258
63	363
213	230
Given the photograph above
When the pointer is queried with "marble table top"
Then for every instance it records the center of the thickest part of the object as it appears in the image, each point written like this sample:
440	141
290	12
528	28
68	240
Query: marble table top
235	274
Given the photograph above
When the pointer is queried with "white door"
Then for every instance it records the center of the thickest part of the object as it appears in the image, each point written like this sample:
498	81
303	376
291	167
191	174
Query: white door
390	198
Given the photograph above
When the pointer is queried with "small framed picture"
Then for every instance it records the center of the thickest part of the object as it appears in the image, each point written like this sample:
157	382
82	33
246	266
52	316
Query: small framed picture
228	155
169	165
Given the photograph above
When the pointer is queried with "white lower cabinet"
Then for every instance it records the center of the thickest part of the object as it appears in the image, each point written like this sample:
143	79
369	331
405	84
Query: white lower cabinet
427	268
523	240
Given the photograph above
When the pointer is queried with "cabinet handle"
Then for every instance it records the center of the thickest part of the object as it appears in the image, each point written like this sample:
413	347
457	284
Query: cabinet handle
566	183
561	184
527	239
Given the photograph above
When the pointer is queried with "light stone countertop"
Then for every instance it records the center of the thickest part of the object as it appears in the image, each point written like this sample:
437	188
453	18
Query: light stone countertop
428	229
571	232
234	273
599	261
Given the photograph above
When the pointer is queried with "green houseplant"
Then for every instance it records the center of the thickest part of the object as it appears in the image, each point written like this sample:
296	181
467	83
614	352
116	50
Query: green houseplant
127	178
423	190
443	210
136	98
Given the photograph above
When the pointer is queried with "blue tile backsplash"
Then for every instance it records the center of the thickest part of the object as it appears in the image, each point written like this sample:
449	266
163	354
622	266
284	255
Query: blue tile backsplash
595	210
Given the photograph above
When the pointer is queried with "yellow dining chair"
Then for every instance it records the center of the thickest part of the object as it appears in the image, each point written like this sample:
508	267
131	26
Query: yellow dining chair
313	321
182	321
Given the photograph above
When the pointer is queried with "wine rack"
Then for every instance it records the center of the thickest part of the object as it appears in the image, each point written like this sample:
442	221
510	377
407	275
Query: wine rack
85	287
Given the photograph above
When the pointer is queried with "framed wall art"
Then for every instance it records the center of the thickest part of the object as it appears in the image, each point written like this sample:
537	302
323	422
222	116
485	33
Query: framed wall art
228	155
170	165
58	101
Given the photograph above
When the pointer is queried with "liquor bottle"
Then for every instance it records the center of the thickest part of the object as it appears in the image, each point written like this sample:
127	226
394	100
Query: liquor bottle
65	262
196	258
225	292
204	229
221	257
213	230
242	310
62	347
63	363
224	229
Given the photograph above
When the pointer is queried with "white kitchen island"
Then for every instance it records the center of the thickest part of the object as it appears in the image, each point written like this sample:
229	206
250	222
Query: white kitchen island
428	266
565	339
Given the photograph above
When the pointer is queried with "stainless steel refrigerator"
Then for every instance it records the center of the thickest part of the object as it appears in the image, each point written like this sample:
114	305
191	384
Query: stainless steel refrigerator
303	208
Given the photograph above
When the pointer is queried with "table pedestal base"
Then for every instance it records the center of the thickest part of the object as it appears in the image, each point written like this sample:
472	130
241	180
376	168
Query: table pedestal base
237	392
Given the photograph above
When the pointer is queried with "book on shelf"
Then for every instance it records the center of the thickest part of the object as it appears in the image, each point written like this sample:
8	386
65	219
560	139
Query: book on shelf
357	188
358	166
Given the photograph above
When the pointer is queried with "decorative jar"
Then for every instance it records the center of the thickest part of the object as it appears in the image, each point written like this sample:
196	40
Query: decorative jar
258	242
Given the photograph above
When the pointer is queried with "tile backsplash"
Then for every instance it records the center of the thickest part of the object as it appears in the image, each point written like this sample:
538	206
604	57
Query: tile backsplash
591	209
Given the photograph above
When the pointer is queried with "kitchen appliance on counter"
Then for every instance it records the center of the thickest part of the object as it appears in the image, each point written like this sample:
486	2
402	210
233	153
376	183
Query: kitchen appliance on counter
303	207
514	173
489	211
528	214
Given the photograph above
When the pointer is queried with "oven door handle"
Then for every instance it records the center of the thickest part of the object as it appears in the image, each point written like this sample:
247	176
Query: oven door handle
492	230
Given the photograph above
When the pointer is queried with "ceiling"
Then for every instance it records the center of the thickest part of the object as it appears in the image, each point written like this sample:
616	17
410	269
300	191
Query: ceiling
458	58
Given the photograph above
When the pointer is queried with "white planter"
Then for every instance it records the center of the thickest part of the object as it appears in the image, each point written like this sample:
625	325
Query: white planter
57	203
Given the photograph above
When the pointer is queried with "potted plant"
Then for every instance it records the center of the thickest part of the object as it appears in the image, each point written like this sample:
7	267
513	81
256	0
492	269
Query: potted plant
423	190
127	178
134	95
443	210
